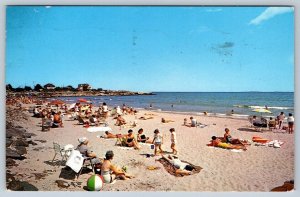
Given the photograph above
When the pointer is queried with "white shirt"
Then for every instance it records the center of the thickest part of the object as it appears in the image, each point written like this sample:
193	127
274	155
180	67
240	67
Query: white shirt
105	109
291	119
157	138
178	164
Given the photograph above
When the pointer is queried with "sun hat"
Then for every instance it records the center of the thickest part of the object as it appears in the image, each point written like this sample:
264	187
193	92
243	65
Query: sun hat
82	139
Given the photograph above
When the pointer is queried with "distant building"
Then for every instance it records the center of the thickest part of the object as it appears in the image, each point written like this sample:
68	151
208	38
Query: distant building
49	86
84	87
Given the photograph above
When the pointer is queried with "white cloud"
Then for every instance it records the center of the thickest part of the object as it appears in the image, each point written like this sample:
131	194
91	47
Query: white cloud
270	13
214	10
47	6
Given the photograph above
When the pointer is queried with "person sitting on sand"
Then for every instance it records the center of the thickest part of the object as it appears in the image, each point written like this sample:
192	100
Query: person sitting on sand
259	122
110	172
193	122
272	123
142	138
228	138
185	122
216	142
57	119
166	121
181	167
120	121
130	141
157	141
83	148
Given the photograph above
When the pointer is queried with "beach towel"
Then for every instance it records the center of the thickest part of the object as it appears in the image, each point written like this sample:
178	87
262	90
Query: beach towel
75	161
232	150
126	148
98	129
172	170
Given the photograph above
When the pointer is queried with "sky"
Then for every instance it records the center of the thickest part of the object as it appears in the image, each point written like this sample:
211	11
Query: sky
144	48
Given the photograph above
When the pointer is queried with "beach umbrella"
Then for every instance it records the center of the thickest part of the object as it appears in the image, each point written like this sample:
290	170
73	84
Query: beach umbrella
82	100
72	105
57	102
262	110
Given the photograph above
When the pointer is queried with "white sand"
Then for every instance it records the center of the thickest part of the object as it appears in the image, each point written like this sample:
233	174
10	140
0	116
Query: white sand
257	169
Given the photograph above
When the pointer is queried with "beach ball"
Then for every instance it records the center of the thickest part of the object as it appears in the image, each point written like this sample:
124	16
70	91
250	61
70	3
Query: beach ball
95	183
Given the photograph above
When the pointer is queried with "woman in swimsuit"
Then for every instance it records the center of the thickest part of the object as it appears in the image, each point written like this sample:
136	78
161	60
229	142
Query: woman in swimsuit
130	140
142	138
228	138
109	172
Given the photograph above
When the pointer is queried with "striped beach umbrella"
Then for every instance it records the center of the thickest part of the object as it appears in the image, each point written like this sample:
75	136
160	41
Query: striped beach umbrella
95	183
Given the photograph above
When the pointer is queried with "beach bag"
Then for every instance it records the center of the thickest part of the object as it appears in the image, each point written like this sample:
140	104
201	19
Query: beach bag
75	161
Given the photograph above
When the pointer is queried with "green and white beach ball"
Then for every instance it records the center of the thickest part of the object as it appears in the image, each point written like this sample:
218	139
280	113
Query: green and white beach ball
95	183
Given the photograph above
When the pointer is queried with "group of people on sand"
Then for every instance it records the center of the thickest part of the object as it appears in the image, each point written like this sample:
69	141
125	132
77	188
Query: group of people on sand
228	142
53	117
276	123
107	169
130	140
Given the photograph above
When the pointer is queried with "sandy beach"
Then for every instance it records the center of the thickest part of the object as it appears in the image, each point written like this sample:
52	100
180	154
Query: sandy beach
259	168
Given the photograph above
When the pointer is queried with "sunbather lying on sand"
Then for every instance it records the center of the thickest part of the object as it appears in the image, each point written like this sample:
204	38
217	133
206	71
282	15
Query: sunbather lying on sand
110	135
149	114
216	142
181	167
166	121
145	118
110	172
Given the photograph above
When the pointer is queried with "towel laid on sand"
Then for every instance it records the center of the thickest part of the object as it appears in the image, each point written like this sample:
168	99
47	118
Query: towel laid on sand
172	170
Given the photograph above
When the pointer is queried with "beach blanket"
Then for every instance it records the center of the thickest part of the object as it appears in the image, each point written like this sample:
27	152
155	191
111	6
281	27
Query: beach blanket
100	129
232	150
125	148
273	143
172	170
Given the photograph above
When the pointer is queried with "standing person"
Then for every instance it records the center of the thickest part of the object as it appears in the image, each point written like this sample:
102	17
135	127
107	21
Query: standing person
157	141
281	118
290	121
105	110
173	141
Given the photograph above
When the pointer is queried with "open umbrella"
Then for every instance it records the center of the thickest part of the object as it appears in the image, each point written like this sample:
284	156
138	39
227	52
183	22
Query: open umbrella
82	100
262	110
72	106
57	102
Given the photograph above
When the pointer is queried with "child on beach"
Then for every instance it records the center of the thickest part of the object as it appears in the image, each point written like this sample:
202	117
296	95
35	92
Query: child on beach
290	121
173	141
157	141
281	118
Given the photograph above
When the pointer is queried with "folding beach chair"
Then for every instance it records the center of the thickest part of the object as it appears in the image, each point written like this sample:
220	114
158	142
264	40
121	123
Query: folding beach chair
80	120
120	141
59	151
46	124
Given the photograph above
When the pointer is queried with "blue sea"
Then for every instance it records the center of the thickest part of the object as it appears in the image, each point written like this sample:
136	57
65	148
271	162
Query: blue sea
222	103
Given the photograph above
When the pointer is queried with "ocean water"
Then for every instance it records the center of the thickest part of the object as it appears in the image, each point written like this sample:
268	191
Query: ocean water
197	102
